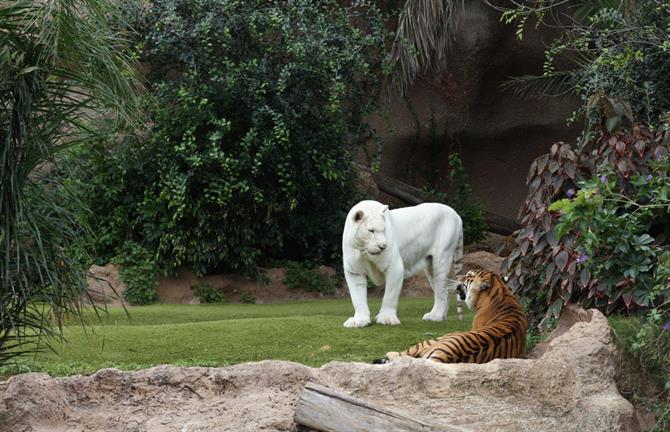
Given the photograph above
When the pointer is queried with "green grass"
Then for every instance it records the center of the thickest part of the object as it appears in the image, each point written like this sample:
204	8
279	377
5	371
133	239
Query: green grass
308	332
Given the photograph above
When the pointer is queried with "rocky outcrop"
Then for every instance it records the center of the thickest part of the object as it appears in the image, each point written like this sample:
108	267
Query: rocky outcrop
567	384
105	286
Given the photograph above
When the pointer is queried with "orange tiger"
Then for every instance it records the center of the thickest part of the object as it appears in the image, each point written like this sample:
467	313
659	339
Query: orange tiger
498	329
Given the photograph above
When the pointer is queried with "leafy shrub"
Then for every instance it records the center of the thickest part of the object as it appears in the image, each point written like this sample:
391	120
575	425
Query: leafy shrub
207	293
139	271
247	298
615	51
600	252
461	200
308	277
248	157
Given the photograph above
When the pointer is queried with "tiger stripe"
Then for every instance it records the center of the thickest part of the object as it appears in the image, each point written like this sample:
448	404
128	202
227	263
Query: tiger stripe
498	331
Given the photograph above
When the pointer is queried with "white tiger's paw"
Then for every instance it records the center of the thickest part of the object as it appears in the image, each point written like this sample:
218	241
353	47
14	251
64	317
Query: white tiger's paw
393	355
355	322
387	318
432	316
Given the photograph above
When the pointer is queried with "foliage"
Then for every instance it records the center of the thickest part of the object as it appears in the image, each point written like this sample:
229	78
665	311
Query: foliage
611	51
426	30
308	277
247	298
602	251
461	200
207	293
59	64
248	158
139	271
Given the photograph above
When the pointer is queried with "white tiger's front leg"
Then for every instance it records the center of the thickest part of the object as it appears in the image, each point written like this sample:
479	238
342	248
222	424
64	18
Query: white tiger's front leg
394	277
358	290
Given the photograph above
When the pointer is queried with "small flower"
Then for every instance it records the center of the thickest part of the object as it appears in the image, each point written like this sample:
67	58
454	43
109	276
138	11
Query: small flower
649	177
582	258
570	193
603	178
666	326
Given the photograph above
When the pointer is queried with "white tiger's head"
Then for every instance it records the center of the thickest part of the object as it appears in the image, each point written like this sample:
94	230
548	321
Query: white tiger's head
370	219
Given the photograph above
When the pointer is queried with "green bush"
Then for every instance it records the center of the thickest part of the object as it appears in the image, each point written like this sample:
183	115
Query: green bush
139	271
605	245
247	298
460	199
249	154
308	277
206	293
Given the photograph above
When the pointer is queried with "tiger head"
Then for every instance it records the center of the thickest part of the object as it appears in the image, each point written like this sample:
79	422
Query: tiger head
474	284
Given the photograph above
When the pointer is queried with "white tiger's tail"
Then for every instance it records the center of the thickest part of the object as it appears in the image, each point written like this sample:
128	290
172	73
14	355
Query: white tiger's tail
458	266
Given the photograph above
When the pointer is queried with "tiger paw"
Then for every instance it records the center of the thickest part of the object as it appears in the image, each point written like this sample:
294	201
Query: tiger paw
387	318
392	355
432	316
355	322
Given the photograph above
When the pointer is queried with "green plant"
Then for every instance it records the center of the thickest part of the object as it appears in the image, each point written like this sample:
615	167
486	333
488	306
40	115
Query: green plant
613	54
605	260
248	158
207	293
247	298
460	199
139	271
60	63
308	277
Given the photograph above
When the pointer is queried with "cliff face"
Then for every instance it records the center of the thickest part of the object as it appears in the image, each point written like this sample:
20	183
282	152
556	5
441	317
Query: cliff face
497	132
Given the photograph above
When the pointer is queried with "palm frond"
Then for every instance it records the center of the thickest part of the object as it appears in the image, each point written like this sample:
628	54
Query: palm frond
558	83
60	64
426	29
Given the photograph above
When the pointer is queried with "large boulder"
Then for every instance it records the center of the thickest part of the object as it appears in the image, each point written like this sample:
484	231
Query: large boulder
567	385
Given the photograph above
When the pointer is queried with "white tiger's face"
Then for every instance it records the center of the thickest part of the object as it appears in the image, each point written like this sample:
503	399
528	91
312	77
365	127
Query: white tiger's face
370	234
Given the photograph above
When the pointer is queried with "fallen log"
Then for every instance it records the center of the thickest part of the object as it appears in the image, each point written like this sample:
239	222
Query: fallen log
328	410
412	195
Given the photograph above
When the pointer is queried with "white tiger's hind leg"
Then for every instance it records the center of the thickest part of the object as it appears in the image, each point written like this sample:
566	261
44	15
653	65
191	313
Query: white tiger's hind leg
438	276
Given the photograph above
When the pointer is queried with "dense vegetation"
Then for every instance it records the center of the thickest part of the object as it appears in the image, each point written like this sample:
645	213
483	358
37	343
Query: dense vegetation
60	63
597	213
248	157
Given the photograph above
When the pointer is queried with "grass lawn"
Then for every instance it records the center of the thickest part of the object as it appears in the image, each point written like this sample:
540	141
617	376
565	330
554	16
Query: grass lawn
308	332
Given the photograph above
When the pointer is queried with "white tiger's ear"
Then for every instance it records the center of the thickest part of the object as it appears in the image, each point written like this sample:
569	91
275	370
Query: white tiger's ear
358	216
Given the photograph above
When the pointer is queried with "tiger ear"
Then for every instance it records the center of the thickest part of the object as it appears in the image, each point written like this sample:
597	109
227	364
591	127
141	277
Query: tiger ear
358	216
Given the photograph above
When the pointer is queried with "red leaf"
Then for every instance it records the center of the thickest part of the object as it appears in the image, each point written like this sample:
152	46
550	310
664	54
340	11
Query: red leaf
561	260
628	299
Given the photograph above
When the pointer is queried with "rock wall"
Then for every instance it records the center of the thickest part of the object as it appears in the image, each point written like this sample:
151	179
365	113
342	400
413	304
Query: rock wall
567	384
497	132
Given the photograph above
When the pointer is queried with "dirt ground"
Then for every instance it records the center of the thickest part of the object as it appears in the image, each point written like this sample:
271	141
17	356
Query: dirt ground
106	286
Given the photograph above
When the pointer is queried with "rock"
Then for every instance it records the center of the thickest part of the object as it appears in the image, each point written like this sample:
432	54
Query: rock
105	286
500	245
482	260
568	386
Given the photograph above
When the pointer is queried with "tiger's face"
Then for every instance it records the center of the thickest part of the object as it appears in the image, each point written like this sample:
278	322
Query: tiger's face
472	285
370	222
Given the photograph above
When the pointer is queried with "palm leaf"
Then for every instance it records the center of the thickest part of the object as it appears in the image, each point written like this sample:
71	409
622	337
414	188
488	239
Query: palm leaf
426	29
61	64
558	83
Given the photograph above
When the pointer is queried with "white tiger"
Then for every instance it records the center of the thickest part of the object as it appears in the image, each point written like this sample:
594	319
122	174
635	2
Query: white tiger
390	245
